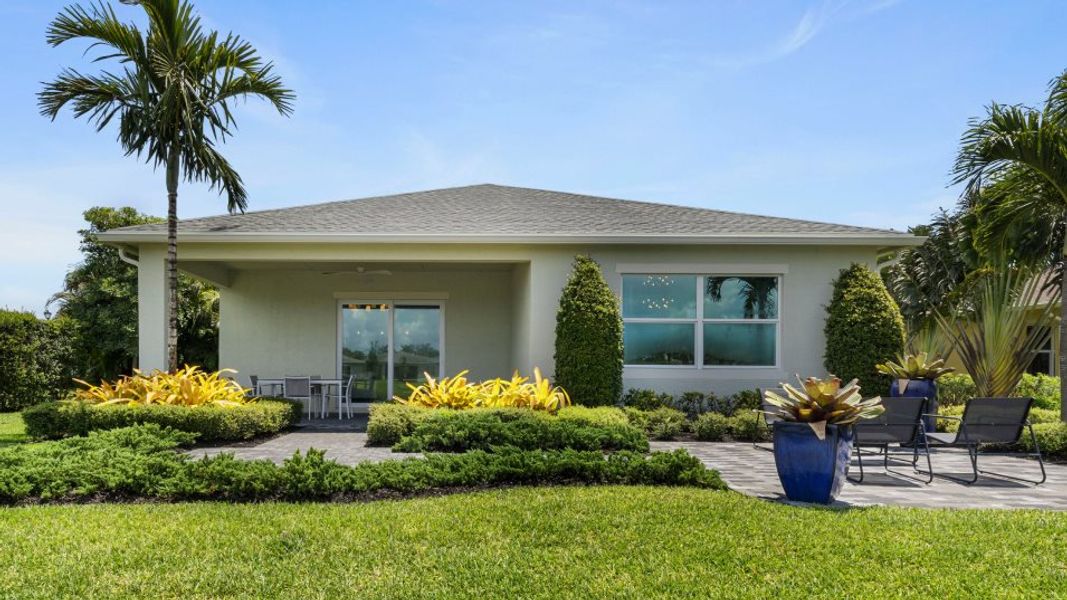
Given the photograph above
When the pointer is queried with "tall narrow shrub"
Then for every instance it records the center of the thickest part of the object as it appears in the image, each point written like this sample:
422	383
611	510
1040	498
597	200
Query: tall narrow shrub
589	337
863	328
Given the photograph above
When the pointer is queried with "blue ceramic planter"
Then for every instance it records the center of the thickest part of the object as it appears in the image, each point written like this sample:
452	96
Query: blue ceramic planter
919	388
810	469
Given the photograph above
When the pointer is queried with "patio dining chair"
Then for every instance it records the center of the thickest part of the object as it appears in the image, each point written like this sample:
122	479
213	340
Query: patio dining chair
996	422
344	397
902	424
255	385
298	388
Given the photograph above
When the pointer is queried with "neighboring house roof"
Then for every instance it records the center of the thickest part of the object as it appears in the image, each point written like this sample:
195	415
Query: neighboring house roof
1046	292
502	214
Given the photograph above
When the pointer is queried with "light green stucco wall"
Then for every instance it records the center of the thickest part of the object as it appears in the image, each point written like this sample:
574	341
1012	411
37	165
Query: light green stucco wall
274	323
279	313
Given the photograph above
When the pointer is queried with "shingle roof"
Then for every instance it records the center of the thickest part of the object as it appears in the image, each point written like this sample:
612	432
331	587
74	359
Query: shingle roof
493	210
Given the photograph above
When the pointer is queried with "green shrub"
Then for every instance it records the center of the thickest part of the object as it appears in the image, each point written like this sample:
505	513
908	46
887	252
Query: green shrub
636	417
957	389
711	427
141	463
744	401
389	422
747	427
35	359
748	400
212	423
589	337
594	415
643	399
486	429
1044	389
1051	438
693	404
665	423
863	328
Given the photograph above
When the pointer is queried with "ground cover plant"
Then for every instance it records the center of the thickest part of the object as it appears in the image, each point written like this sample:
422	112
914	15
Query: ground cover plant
142	462
544	542
212	422
487	429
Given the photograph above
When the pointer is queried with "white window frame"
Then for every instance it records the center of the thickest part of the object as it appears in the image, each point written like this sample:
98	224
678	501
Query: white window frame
392	303
698	321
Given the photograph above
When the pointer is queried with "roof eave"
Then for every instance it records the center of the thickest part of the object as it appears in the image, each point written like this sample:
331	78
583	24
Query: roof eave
841	239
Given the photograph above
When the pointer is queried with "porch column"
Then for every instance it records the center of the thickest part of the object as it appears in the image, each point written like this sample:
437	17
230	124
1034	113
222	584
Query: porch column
151	308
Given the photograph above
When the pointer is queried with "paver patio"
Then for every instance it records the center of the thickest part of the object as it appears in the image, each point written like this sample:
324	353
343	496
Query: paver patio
747	470
751	471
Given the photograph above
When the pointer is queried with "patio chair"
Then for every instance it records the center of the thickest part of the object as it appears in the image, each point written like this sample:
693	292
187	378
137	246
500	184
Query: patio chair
255	385
901	423
298	388
344	397
764	420
994	422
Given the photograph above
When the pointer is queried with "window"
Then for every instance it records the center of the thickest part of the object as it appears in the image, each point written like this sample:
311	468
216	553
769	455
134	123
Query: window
700	320
1042	363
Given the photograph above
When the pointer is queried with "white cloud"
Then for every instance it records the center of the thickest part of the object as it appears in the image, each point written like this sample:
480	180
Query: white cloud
814	20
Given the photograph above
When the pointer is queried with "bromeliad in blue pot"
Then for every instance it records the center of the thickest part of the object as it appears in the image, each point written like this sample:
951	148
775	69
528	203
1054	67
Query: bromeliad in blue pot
813	439
915	376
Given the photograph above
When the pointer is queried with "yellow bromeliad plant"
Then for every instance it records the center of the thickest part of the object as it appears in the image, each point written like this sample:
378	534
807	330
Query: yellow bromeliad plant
189	386
458	393
822	402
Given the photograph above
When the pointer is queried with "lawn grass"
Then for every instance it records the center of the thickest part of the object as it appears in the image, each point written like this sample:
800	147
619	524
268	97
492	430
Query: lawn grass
12	429
564	542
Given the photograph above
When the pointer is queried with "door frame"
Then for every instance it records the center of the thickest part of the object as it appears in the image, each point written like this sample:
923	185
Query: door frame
391	325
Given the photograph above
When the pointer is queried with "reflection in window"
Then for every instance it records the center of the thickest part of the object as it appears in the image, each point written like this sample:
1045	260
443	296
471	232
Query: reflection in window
658	344
659	296
726	320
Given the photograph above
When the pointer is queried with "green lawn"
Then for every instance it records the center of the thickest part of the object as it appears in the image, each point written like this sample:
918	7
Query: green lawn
12	429
635	542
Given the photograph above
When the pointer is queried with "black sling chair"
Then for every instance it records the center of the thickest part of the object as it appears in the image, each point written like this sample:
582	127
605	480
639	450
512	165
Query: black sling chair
990	421
901	423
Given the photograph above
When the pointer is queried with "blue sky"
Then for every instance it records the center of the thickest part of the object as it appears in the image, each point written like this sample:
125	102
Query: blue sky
833	110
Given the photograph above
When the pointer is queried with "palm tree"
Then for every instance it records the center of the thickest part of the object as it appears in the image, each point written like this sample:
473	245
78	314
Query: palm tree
1024	152
171	96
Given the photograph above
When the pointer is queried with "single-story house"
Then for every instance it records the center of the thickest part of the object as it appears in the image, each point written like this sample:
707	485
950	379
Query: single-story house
470	277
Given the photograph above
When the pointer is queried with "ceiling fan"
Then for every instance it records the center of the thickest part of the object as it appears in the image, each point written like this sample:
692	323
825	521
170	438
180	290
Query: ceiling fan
360	271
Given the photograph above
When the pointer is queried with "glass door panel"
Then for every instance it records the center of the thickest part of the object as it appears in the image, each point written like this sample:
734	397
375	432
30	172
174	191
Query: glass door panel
416	345
365	350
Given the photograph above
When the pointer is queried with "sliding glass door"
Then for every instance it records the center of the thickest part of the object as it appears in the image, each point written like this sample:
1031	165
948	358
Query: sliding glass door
386	344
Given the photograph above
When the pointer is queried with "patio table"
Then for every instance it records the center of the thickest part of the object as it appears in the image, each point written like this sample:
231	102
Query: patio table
319	387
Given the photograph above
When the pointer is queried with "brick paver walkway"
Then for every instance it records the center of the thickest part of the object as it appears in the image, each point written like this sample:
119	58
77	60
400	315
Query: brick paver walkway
751	471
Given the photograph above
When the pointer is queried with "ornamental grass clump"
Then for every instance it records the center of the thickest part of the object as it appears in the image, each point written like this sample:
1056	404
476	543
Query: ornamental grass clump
822	402
188	386
459	393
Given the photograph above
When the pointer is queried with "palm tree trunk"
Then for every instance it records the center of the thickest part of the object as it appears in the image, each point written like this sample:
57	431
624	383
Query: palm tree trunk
172	261
1062	358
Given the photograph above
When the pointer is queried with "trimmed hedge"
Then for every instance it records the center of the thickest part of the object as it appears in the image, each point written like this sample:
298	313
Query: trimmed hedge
958	388
863	328
51	420
589	337
35	359
141	463
486	429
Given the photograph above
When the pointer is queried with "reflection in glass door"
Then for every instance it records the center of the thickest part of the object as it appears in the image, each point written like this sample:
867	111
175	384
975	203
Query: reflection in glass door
365	350
386	345
417	345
